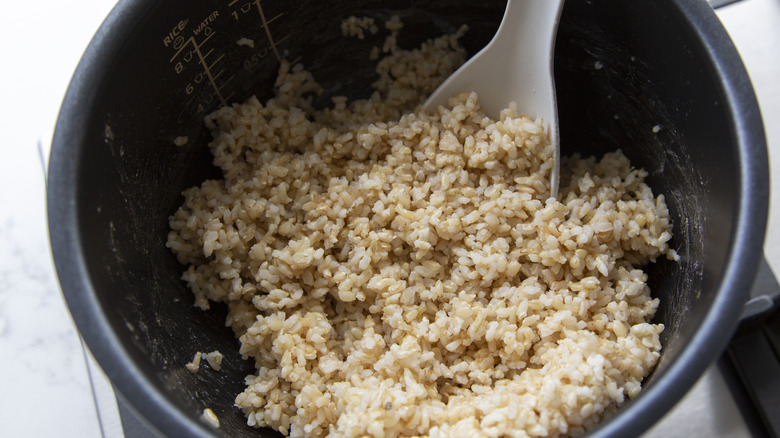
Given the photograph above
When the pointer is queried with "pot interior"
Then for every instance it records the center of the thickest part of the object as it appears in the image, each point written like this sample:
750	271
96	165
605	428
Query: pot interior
622	69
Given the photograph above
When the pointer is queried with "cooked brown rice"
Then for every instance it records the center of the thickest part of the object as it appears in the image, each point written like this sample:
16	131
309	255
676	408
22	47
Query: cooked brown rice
209	417
214	359
356	27
398	273
194	365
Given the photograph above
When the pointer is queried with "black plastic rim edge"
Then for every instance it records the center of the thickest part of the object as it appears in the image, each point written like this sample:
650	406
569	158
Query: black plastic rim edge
636	417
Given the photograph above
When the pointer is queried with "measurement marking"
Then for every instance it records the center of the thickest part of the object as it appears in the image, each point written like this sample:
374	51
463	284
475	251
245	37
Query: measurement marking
208	71
207	38
229	96
274	19
217	61
286	37
233	2
295	60
218	75
268	31
225	83
182	48
192	41
208	53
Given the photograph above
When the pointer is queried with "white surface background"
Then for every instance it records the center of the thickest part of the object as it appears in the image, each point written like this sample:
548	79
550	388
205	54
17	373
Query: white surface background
44	386
44	383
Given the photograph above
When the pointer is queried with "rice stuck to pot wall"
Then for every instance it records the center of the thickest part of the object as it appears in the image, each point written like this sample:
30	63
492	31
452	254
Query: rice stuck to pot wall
397	273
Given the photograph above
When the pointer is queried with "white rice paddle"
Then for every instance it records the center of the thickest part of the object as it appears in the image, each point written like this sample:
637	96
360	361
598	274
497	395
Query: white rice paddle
517	65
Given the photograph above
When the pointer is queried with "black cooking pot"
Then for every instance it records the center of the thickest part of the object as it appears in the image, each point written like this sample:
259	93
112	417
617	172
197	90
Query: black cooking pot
659	79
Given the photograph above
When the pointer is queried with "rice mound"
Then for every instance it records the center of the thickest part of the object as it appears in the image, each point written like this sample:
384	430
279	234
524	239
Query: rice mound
398	273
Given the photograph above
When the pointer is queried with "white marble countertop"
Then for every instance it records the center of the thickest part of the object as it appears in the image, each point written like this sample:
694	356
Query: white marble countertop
45	385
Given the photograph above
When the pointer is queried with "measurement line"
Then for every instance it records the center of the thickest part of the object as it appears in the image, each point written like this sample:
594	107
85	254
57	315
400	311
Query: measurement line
295	60
217	61
225	83
208	53
216	76
268	31
274	19
233	2
208	71
191	40
208	37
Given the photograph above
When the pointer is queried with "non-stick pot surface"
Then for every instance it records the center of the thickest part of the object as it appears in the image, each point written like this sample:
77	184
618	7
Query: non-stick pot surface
660	80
